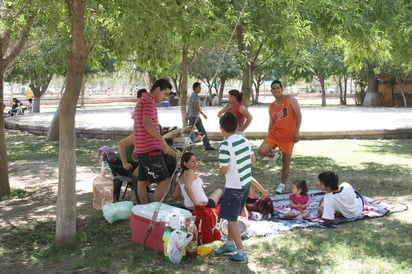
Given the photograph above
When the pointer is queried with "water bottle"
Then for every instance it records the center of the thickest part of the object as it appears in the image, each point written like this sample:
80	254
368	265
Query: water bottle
183	229
191	249
102	189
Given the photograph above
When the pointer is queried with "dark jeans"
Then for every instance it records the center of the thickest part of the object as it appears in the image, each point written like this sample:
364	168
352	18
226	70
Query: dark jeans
201	130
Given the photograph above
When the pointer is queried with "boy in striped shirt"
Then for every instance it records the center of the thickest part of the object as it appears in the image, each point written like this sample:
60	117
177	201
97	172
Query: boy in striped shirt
235	162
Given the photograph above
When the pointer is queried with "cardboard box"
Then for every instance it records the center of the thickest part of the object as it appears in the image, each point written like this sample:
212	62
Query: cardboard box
141	217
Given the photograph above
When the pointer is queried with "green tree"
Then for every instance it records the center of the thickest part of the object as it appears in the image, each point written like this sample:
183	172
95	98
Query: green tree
214	67
66	196
159	46
37	64
16	21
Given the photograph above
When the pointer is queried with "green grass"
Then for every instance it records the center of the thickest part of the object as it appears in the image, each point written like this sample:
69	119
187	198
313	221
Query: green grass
378	168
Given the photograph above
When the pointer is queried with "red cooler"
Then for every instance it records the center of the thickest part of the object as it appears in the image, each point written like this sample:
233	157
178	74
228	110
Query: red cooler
141	217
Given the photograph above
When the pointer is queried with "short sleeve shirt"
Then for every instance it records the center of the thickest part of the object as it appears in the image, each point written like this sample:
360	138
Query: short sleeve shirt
344	200
235	152
299	200
144	141
194	98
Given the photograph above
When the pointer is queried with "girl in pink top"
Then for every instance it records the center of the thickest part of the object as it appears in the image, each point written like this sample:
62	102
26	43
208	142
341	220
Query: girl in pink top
236	106
299	201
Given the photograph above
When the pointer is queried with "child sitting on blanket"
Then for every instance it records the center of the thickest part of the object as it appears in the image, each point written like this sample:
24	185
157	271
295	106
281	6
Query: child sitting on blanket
339	200
299	201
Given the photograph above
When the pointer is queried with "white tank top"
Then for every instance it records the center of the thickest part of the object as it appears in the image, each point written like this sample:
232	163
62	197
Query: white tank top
198	192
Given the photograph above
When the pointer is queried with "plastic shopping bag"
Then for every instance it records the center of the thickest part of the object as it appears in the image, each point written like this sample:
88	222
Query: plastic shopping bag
177	243
117	211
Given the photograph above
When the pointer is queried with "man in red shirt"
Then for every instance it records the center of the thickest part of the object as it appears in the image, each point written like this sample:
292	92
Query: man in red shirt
284	125
149	143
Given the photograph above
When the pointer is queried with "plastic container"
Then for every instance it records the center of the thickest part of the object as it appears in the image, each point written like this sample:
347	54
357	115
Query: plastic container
191	249
206	249
166	236
102	189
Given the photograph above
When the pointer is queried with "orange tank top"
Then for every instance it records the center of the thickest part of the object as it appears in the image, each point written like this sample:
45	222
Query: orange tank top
284	125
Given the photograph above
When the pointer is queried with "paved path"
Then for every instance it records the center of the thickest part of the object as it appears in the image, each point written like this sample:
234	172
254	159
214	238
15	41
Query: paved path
317	123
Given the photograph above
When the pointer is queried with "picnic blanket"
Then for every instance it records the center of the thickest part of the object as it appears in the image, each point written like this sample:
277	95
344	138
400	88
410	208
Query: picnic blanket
372	209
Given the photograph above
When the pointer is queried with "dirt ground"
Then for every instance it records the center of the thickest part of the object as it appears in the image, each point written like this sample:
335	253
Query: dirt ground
41	205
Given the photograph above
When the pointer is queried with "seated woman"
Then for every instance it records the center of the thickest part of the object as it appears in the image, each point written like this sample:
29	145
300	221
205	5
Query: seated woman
190	186
125	154
252	198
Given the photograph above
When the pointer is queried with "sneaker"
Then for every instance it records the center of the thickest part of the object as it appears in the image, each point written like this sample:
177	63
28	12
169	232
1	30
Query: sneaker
272	160
210	148
280	188
240	259
226	250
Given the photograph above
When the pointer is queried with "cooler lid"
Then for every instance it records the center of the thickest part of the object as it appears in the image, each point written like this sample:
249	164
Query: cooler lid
165	211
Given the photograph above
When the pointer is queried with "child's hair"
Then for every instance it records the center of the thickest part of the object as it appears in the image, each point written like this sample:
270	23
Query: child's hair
301	184
329	179
228	122
264	205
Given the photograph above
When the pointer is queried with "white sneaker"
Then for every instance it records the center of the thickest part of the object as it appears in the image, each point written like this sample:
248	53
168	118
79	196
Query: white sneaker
280	188
272	160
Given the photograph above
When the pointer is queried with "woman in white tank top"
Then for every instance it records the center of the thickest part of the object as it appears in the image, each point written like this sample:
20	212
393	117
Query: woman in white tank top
190	186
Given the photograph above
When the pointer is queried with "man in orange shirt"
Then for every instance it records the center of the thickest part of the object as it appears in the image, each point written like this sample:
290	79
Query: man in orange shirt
284	125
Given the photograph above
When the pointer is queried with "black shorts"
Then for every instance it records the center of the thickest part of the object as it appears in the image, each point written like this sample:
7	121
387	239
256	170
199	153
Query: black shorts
152	167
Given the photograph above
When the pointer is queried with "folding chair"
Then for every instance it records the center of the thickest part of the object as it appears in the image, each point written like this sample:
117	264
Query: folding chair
120	176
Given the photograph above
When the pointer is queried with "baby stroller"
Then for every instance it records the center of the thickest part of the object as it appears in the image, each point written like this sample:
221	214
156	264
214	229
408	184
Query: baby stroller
120	176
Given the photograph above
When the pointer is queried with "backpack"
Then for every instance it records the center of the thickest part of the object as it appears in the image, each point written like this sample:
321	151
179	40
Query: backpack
111	156
206	223
264	205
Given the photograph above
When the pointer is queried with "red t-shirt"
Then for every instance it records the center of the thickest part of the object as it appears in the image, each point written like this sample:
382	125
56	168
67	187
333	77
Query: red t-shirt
299	201
146	107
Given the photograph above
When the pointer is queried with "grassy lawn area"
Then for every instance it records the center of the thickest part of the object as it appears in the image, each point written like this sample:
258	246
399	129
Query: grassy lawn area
380	169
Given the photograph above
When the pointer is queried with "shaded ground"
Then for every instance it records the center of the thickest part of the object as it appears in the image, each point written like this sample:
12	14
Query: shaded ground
40	178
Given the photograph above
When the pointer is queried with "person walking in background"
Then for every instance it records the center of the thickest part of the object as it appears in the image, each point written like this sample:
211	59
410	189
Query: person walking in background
236	106
298	200
149	144
194	112
235	162
284	130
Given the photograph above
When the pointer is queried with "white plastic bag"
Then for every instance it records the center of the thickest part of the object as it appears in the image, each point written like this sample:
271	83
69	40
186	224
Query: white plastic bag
177	242
117	211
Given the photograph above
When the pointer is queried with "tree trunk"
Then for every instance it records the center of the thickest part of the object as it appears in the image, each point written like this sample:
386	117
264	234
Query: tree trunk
247	79
9	53
185	83
371	95
66	196
322	87
53	132
345	91
82	93
4	170
221	87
